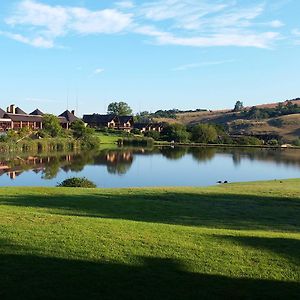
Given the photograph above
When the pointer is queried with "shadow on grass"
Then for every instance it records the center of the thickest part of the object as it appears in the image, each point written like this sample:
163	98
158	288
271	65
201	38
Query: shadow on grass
284	247
230	211
32	277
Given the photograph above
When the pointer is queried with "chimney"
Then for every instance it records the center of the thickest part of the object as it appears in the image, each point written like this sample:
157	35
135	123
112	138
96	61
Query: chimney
13	109
7	109
73	112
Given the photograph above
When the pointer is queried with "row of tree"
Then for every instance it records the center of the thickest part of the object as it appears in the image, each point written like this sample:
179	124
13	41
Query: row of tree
201	133
254	112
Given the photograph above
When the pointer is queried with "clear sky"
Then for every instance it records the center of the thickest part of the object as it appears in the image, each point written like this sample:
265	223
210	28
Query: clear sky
184	54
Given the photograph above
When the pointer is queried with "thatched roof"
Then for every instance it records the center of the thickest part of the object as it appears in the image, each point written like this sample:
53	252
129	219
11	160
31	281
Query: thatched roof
69	116
98	119
2	113
37	112
23	118
19	111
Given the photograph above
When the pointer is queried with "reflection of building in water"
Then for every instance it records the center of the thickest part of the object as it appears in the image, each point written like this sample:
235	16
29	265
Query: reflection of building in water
14	174
15	167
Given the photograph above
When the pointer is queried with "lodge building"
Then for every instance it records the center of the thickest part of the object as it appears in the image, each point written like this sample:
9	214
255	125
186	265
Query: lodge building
125	123
15	118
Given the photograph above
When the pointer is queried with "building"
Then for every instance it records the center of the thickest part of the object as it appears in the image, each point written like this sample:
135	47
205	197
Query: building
67	118
109	121
144	127
15	118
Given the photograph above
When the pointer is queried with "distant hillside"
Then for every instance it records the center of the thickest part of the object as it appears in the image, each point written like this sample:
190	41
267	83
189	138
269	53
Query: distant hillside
286	127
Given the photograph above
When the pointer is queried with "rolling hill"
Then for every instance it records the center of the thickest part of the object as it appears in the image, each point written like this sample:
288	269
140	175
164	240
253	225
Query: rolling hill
286	127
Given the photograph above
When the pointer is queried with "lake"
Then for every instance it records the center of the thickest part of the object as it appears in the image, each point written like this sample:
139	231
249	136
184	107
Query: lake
161	166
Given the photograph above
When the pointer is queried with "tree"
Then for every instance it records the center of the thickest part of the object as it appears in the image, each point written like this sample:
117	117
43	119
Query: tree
51	125
239	106
176	133
80	130
153	134
119	109
204	133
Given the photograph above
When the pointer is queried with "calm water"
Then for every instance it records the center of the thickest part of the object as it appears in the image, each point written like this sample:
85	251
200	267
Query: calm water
159	167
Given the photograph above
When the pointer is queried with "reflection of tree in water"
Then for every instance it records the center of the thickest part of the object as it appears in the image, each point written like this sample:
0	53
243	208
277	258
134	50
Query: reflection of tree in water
79	161
202	154
174	153
51	168
236	158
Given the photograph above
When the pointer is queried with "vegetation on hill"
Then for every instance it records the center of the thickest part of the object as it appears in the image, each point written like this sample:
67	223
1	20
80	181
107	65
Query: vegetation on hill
269	122
235	241
264	113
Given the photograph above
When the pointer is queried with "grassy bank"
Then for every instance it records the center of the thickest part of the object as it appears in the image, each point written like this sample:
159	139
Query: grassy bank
46	145
236	241
164	143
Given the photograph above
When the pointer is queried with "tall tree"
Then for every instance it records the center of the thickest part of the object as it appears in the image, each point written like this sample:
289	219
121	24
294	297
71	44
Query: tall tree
238	106
119	109
51	125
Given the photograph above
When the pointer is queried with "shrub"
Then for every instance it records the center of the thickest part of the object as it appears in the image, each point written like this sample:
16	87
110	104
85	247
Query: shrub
273	142
249	140
176	133
136	142
204	133
77	183
135	131
153	134
296	142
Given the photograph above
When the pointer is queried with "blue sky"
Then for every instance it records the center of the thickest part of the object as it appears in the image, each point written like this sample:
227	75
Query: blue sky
156	54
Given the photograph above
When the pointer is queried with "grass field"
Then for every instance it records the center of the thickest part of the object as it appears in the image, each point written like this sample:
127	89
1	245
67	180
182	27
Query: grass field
235	241
109	139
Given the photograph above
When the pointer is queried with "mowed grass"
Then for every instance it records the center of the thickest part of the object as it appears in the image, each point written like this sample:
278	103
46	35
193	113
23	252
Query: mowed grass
108	139
235	241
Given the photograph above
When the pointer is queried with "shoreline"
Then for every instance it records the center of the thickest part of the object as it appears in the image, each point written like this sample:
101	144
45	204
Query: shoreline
200	145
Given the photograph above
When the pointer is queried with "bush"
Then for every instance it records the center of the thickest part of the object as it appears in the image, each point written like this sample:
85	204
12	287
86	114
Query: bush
176	133
249	140
136	142
77	183
273	142
204	133
153	134
296	142
135	131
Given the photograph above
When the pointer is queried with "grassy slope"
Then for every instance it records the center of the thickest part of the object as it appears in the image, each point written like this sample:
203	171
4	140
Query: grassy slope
236	241
288	126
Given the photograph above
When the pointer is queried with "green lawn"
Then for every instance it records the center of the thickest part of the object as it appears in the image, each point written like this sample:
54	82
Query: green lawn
109	139
235	241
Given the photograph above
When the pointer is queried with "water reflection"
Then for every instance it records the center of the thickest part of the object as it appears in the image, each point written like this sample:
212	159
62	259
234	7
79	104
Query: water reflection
119	161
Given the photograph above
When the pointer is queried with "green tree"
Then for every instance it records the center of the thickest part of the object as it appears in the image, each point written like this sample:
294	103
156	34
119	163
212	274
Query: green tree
51	125
153	134
239	106
119	109
176	133
204	133
80	131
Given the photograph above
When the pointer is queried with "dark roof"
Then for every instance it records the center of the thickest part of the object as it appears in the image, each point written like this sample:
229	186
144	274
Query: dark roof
37	112
146	125
69	116
125	119
141	125
23	118
100	119
19	111
2	113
